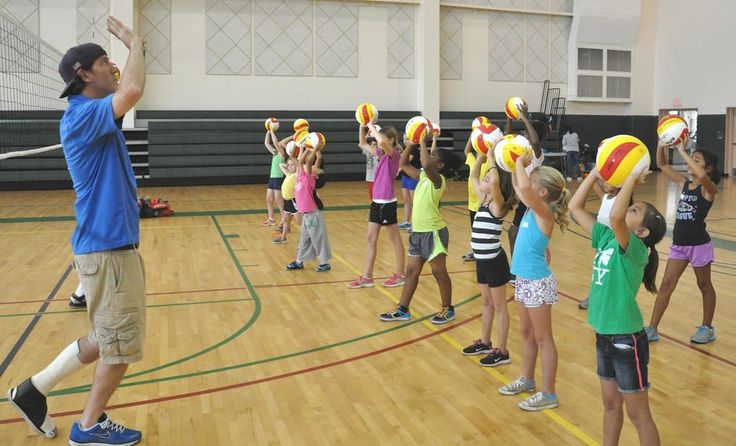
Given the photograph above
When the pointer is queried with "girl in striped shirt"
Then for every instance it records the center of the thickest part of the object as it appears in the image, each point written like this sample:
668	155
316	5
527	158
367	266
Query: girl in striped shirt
496	193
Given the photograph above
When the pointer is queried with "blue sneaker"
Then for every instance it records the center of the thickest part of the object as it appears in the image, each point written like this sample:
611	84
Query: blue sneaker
104	432
445	315
397	314
294	265
405	225
703	335
652	334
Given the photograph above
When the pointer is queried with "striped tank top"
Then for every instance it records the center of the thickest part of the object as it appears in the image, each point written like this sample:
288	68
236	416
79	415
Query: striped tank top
486	236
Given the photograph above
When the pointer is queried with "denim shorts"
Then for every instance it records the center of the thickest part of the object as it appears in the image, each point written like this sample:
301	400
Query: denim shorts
624	358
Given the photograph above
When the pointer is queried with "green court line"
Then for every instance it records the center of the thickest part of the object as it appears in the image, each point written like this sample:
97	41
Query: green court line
196	302
82	389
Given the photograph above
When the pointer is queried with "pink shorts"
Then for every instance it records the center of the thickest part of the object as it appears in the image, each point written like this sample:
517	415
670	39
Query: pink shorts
698	256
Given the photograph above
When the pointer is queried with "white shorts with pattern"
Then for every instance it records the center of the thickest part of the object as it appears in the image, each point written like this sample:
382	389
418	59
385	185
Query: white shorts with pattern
535	293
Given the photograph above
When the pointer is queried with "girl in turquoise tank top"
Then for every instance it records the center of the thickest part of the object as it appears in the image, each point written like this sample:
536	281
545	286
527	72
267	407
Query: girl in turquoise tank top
545	195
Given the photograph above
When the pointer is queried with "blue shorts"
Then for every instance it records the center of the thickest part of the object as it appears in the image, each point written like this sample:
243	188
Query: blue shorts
625	359
275	183
408	182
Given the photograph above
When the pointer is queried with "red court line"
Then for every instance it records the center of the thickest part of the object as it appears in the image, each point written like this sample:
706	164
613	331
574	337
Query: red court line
65	298
676	341
263	380
327	282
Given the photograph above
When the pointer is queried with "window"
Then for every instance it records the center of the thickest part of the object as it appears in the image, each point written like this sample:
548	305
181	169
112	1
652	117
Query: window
604	73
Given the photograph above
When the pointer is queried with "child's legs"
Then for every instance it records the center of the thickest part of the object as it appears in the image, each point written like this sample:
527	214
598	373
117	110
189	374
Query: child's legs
672	273
408	196
279	201
500	309
413	269
541	319
529	352
287	224
269	202
613	412
372	239
487	324
306	249
395	238
319	238
439	271
702	274
637	406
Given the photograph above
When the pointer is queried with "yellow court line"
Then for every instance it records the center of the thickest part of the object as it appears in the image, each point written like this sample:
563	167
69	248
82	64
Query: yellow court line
568	426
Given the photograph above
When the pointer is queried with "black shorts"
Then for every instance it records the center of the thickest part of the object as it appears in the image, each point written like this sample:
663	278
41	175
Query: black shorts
624	359
275	183
290	206
520	210
493	272
383	213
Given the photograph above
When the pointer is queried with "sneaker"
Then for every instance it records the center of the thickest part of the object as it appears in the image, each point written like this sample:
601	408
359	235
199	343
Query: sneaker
268	222
469	257
323	268
31	404
704	335
569	179
652	334
77	301
583	305
105	431
279	241
477	348
294	265
397	279
404	225
445	315
397	314
361	282
496	358
518	386
540	401
579	179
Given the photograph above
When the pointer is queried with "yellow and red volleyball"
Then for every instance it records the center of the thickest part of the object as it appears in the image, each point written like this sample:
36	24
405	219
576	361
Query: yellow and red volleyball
301	139
365	113
483	141
513	107
509	149
301	125
316	141
272	124
621	156
671	130
480	121
417	128
292	149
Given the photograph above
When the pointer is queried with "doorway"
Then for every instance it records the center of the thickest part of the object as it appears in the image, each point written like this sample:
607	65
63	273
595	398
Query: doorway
729	163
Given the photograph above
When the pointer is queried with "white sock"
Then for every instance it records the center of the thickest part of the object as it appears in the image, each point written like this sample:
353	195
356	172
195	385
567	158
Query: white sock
62	366
80	290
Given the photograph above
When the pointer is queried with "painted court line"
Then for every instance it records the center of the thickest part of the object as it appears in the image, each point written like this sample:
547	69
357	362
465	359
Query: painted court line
560	420
263	380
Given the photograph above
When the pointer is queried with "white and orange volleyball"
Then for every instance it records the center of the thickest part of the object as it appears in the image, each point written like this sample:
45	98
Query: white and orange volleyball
365	113
301	125
316	141
292	149
483	139
436	130
417	129
621	156
508	149
271	124
116	72
480	121
301	138
513	107
671	130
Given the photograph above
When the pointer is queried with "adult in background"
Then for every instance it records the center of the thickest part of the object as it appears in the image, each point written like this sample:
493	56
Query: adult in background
105	241
571	146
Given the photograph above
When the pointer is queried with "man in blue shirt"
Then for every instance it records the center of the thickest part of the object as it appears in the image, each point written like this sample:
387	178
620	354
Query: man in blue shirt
105	241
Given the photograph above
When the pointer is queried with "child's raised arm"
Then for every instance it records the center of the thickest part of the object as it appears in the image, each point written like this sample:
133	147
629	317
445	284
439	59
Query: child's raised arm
424	154
577	202
267	143
405	163
498	201
674	175
530	197
363	142
533	137
621	207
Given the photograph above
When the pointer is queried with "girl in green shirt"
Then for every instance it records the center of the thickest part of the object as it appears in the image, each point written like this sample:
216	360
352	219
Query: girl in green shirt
625	257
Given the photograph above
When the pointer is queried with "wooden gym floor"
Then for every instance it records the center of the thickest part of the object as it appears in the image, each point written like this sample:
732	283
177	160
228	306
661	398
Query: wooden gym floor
240	351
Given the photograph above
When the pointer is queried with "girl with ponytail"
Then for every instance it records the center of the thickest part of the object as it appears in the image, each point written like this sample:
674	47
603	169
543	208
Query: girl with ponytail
545	196
625	257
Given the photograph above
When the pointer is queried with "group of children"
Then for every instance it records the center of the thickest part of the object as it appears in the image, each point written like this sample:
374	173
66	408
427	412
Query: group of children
624	234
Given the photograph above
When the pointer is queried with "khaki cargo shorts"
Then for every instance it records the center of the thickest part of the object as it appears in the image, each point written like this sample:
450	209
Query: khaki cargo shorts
114	285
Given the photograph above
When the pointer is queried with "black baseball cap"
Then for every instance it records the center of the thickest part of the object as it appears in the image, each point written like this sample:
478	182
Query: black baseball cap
80	57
